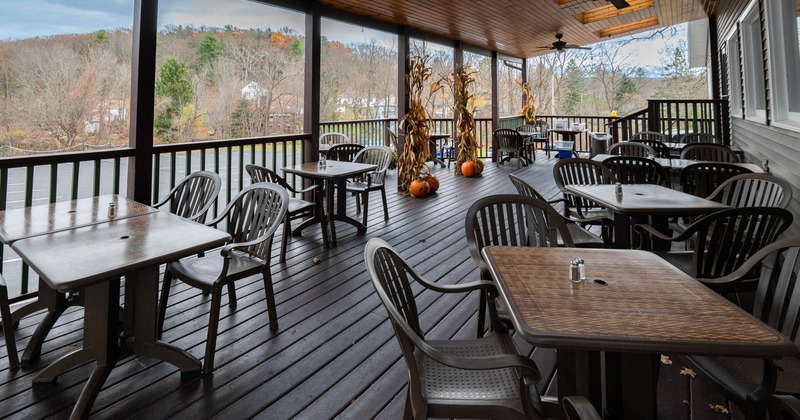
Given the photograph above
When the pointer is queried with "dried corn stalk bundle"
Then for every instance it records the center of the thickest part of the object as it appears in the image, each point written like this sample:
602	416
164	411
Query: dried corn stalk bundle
416	124
466	143
529	106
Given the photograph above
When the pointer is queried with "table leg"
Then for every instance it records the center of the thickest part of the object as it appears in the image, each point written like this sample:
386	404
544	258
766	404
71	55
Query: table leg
100	343
141	293
631	380
579	374
341	210
55	303
622	230
329	191
319	217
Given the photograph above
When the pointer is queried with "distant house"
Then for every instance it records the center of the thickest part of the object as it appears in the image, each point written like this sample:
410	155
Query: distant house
253	92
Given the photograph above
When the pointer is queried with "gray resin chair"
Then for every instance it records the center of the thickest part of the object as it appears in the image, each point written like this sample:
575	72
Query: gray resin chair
650	135
578	171
754	190
252	216
193	196
630	148
8	325
748	381
637	170
510	145
380	156
580	236
723	242
702	178
699	138
343	152
478	378
661	149
298	207
709	152
509	220
331	139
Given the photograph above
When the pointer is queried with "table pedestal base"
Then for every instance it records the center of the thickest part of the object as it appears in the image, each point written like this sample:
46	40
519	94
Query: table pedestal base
103	342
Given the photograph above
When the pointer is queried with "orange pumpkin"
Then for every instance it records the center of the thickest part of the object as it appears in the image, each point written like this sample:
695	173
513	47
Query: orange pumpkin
479	164
469	169
419	188
433	182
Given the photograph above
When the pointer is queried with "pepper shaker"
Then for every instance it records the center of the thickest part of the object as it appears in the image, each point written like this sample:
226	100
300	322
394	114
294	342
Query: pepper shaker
618	191
582	269
112	210
575	273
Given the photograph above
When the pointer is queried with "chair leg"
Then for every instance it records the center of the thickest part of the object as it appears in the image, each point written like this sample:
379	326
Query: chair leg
323	223
162	303
8	328
366	205
213	328
408	412
231	295
385	205
481	314
287	231
270	292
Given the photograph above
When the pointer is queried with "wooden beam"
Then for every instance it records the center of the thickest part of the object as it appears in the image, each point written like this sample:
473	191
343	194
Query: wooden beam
628	27
716	71
143	78
609	11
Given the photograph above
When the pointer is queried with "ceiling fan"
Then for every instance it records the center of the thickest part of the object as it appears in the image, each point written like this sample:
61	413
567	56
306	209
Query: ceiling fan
560	45
619	4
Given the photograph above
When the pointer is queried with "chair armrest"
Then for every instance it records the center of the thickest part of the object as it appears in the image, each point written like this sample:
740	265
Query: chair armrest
781	405
227	249
579	408
163	201
305	190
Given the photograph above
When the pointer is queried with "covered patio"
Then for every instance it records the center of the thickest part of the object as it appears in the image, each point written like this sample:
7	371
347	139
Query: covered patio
334	354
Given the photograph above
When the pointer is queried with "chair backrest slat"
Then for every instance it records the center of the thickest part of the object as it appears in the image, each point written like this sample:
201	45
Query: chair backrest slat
636	170
709	152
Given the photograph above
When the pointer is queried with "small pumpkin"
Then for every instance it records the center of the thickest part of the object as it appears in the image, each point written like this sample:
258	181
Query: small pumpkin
419	188
479	164
469	169
433	182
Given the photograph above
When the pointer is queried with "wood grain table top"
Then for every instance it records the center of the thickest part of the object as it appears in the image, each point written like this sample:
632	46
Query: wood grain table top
646	199
333	169
71	259
63	215
646	305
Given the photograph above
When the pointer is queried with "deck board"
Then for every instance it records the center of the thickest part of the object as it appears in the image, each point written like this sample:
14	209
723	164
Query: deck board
334	354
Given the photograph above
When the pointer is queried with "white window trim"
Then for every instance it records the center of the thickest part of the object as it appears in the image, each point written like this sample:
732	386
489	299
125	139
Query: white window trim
734	75
752	66
781	17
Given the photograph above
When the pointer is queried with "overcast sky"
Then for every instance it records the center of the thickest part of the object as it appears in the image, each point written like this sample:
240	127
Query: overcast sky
30	18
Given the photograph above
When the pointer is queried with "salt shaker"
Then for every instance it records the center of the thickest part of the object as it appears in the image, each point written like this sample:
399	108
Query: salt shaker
112	210
582	269
618	191
322	161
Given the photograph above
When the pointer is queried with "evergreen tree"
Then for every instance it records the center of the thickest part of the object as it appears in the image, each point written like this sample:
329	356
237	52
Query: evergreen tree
173	82
210	49
574	88
625	89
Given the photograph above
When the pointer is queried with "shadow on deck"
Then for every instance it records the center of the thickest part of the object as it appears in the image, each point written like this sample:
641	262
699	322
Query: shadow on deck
334	353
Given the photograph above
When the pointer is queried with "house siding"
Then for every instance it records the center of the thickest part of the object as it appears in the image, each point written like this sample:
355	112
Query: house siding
762	141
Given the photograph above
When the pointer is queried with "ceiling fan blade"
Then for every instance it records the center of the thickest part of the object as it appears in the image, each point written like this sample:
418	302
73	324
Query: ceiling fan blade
576	47
620	4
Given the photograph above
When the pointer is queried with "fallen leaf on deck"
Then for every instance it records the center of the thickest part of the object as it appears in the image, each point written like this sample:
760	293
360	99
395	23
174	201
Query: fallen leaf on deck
688	372
665	360
718	408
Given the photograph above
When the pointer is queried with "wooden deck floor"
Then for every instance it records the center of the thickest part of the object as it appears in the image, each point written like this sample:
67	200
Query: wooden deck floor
334	354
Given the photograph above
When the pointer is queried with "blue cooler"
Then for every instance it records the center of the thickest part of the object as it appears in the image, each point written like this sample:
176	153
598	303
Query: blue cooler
564	149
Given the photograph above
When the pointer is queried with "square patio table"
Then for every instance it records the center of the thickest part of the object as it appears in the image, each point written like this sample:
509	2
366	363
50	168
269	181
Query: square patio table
645	307
91	259
16	224
640	201
333	179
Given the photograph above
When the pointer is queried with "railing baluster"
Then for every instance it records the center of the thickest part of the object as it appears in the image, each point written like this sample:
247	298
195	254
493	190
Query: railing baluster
96	180
53	182
76	167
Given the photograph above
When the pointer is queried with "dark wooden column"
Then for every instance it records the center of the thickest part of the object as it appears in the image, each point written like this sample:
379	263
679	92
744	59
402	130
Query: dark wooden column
716	71
524	78
143	75
311	106
495	102
403	65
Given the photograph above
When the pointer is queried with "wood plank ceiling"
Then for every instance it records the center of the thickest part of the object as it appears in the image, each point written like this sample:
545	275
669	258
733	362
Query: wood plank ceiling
520	28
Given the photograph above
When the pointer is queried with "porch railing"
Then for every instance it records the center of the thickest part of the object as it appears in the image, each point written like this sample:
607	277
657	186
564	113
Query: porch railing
675	117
